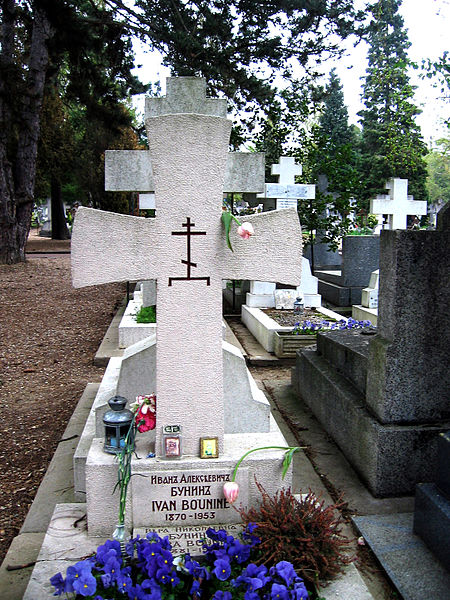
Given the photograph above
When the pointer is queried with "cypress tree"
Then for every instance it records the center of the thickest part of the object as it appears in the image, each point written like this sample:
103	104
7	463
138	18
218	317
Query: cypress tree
392	144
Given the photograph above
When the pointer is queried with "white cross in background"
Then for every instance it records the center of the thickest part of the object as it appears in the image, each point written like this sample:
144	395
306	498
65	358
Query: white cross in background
397	204
286	191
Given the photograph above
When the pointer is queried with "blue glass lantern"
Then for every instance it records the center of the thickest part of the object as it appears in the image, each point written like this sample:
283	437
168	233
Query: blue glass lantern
117	422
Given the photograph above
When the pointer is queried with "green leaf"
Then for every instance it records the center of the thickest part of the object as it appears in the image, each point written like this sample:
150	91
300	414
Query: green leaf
227	217
287	460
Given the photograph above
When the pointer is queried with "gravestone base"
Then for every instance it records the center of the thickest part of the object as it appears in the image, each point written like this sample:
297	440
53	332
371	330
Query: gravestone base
390	458
362	313
260	300
186	491
340	295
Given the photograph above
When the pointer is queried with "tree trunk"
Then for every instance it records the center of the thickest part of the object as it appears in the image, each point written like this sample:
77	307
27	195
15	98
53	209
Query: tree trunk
17	173
60	230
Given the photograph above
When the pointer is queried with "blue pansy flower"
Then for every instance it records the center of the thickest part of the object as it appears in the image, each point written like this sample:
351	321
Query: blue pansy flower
285	570
240	552
222	569
279	592
84	583
219	595
57	582
299	592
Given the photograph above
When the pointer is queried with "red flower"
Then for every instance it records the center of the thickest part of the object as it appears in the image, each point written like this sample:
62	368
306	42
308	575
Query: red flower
146	422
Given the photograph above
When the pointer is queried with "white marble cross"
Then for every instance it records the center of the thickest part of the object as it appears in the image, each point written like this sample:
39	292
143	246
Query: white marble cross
397	204
185	250
286	191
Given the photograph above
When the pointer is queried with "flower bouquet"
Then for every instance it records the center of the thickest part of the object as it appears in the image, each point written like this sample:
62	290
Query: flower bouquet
148	571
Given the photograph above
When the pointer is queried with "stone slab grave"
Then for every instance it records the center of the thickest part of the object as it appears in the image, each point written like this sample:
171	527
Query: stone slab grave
397	204
360	256
368	309
185	251
263	327
389	429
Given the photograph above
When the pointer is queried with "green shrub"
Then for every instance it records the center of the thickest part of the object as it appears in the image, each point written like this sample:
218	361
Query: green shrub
147	314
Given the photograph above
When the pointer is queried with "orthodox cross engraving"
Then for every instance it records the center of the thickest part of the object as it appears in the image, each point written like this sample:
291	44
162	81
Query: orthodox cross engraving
188	261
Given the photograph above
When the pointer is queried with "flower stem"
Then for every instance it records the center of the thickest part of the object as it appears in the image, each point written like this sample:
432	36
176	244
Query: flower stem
287	457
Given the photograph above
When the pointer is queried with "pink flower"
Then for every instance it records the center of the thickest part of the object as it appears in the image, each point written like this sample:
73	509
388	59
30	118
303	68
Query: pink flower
230	491
245	230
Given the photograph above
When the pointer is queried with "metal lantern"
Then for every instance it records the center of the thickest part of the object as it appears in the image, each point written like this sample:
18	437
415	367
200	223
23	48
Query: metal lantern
117	422
299	306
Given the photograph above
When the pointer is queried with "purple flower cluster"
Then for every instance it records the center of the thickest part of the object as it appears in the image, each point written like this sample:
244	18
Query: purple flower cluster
309	327
151	573
230	559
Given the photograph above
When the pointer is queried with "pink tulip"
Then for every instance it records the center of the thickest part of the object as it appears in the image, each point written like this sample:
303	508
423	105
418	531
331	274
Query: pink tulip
231	491
245	230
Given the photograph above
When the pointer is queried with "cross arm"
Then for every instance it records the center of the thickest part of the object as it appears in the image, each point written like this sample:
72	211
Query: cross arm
95	232
274	253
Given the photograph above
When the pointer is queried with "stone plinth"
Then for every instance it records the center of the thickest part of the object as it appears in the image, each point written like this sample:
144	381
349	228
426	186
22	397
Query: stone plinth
360	256
408	381
183	490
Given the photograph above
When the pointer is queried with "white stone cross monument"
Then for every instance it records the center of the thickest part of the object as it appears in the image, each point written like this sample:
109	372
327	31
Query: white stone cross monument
397	204
185	250
286	191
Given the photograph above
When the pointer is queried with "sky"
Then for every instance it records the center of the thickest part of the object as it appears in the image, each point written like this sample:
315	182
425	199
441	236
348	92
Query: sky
428	25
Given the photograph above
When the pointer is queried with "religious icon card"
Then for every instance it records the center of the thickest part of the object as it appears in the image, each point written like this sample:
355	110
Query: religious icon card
209	447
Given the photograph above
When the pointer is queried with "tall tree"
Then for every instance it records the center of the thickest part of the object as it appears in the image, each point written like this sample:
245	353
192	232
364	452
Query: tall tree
392	143
329	155
438	181
38	39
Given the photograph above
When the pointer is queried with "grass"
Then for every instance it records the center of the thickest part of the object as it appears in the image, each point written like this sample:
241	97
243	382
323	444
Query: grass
146	314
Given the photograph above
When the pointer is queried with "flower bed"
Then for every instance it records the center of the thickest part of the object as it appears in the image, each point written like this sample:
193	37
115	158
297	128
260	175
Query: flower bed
264	327
305	333
145	569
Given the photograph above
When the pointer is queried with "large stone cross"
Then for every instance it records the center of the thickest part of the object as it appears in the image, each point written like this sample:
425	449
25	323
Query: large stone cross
185	250
397	204
286	191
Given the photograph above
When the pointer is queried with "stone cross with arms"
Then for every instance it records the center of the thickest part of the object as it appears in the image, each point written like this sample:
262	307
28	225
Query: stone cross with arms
397	204
185	250
286	191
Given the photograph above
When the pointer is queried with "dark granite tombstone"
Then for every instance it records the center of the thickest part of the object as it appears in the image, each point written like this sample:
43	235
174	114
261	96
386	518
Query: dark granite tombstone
389	429
360	256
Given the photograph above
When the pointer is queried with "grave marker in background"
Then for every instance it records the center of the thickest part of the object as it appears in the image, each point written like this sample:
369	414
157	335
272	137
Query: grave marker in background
397	204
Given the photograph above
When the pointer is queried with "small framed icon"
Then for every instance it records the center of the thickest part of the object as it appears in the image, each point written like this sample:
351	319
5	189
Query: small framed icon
209	447
172	446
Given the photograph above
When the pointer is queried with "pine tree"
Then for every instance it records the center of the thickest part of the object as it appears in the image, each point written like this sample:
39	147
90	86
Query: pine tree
330	152
392	144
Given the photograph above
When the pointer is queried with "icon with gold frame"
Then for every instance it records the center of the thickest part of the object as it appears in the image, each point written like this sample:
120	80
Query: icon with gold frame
209	447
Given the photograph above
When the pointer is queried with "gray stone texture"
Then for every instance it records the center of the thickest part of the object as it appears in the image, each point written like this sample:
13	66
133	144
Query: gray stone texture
408	378
443	218
443	466
390	458
432	520
408	562
360	256
323	256
348	351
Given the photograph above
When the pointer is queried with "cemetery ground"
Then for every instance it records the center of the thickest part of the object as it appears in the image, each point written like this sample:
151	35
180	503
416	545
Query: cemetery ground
50	333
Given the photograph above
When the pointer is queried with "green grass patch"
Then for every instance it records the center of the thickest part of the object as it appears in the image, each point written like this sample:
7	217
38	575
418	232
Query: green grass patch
147	314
